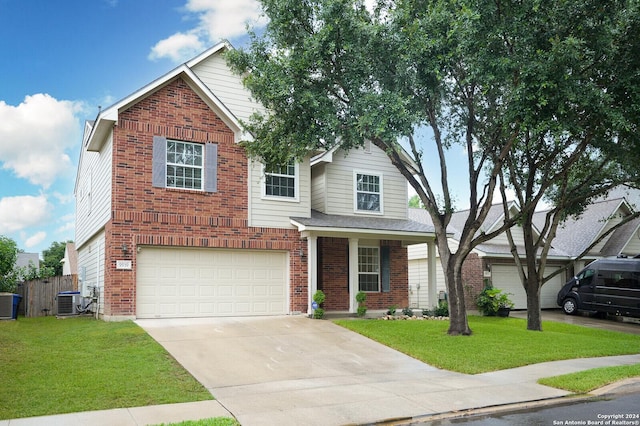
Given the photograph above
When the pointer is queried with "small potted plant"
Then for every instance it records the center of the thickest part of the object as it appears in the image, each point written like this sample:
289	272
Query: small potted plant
492	301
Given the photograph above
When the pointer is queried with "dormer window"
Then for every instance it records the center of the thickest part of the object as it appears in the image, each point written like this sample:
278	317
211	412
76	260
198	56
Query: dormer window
368	192
282	181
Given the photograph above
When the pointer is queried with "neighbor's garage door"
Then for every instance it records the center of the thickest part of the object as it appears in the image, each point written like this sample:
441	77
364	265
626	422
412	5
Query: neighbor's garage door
505	277
179	282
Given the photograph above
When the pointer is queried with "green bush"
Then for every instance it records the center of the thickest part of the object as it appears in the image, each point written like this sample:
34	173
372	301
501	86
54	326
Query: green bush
442	310
361	298
319	297
491	299
391	310
407	311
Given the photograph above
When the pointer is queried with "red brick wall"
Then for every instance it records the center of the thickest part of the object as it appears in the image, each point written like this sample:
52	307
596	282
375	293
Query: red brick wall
333	273
472	279
333	277
145	215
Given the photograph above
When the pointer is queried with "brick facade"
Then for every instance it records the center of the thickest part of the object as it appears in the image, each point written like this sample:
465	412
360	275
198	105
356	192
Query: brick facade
333	276
144	215
472	279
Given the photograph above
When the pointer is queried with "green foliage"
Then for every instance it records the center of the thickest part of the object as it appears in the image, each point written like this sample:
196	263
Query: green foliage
8	257
392	310
496	343
52	257
491	300
318	297
407	311
361	298
442	310
115	365
416	202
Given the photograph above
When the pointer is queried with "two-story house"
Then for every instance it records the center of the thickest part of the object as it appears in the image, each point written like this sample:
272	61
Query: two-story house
174	220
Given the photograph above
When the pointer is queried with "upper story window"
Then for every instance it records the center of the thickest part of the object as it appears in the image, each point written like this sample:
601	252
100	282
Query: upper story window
282	182
184	165
368	192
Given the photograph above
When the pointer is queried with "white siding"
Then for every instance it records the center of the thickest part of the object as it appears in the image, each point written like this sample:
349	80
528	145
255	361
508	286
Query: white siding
228	87
91	265
633	246
516	232
269	212
93	193
610	224
318	188
419	283
340	182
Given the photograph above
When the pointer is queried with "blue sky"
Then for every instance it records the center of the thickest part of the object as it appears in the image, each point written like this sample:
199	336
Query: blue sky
60	61
63	59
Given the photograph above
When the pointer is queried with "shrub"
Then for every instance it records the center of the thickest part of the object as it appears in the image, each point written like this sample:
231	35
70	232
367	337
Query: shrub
361	298
391	310
442	310
318	297
491	299
407	311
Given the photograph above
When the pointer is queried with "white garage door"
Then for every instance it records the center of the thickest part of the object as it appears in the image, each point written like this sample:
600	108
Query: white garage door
506	278
179	282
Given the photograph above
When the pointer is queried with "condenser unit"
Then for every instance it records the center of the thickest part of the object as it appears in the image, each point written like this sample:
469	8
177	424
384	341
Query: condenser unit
68	303
6	305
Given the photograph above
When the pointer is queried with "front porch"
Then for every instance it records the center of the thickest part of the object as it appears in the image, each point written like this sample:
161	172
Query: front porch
348	254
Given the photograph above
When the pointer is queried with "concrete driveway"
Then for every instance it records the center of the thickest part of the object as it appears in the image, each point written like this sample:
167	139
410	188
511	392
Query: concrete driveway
293	370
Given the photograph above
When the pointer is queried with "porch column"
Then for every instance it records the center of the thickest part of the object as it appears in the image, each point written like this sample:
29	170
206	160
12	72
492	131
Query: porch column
432	275
312	269
353	274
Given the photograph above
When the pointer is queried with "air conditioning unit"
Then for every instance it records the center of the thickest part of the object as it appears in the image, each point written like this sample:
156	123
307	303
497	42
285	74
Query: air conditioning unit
68	302
6	305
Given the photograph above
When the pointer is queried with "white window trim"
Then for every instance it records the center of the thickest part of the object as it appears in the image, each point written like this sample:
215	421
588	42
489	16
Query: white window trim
201	167
379	275
355	192
296	180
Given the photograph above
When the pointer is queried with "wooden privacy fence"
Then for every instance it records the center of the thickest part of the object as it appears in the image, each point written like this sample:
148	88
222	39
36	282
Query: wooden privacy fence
39	296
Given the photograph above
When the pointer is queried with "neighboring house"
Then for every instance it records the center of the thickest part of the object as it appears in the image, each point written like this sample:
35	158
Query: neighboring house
23	260
492	261
173	219
70	260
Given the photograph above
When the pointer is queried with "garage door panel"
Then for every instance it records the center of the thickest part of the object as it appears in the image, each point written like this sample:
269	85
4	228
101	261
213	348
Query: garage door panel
174	282
506	278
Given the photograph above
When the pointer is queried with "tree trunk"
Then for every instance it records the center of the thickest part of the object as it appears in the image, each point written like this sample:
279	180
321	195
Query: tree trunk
532	288
458	324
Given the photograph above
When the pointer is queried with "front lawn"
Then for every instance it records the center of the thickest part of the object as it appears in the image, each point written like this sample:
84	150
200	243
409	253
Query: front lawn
496	343
52	366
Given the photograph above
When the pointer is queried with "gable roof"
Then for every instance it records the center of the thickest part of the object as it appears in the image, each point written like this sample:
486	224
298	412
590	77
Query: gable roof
108	117
575	235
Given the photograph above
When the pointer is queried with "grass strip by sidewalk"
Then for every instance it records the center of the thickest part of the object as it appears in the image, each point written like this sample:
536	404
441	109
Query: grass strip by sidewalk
53	366
588	380
496	343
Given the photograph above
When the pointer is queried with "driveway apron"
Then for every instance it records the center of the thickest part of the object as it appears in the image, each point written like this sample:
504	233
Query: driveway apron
293	370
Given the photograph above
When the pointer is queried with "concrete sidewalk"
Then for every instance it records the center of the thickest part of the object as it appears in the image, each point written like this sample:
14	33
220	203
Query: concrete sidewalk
292	370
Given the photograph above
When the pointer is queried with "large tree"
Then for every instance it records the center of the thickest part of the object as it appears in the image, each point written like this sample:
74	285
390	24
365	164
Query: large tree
52	258
8	257
579	128
334	73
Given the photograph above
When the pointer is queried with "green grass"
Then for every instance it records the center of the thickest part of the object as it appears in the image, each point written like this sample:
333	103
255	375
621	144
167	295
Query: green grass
496	343
214	421
52	366
586	381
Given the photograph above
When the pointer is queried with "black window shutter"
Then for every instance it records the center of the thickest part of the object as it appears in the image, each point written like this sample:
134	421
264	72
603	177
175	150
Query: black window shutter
385	268
159	170
211	167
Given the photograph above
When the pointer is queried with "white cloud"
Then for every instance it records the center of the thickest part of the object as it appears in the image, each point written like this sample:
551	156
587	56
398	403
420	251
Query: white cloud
217	20
35	136
178	47
20	212
35	239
